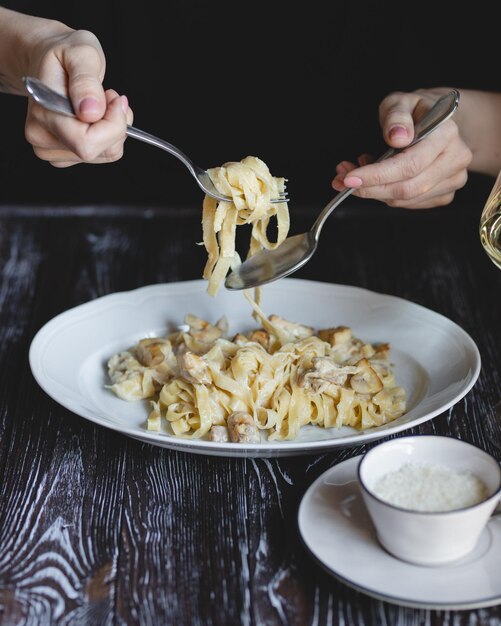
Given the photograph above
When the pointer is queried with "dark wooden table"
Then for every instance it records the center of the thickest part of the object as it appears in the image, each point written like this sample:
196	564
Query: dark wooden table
98	528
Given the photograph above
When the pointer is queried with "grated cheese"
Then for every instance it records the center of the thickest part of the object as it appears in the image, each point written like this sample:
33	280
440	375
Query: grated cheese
429	487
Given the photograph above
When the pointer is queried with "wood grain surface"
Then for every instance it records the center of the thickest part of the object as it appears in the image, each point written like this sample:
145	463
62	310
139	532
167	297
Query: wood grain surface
98	528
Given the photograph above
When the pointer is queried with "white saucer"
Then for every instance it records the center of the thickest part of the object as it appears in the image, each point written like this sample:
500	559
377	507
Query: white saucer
336	528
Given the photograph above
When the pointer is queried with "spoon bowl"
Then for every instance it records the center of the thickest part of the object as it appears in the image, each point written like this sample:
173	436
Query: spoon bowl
268	265
264	267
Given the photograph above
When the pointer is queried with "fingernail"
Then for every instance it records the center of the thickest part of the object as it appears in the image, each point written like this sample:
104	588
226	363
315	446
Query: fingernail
341	170
353	181
398	132
125	103
89	105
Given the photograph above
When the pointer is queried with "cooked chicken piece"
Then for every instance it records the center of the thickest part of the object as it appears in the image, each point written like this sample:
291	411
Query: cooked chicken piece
336	335
121	364
365	380
193	368
368	350
219	434
240	340
131	380
325	372
150	351
345	348
202	330
382	350
298	331
242	428
262	337
131	387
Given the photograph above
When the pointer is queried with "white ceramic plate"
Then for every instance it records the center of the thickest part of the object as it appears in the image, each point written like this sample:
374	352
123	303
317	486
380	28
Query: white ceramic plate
335	526
435	360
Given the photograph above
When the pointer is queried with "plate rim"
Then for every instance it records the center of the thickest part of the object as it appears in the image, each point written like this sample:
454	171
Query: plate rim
281	448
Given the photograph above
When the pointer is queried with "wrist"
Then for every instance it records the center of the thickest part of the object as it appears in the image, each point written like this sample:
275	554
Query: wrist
23	40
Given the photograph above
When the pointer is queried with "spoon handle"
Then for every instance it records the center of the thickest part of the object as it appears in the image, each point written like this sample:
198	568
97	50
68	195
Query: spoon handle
442	110
327	210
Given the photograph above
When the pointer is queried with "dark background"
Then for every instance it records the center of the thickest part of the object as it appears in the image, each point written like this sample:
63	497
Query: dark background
296	85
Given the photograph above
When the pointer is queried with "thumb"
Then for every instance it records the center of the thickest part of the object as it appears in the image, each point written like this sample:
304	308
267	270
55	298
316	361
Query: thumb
84	67
396	118
398	128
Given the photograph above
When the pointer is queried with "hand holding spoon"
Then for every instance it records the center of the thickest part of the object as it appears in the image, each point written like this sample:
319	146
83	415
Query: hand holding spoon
268	265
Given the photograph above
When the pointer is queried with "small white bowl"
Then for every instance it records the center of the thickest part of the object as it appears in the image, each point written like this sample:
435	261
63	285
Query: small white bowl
428	537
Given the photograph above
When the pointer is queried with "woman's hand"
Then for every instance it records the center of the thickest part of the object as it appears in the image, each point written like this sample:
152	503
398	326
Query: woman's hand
425	175
72	62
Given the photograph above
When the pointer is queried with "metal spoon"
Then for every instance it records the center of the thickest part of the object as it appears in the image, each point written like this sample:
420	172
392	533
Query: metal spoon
268	265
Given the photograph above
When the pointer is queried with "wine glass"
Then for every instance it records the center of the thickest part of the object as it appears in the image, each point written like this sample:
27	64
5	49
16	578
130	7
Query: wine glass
490	224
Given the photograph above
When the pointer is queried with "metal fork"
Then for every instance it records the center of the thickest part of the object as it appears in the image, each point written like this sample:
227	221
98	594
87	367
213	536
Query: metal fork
50	99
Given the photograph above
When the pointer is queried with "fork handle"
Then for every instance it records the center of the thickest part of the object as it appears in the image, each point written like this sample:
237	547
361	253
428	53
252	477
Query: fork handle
142	135
59	103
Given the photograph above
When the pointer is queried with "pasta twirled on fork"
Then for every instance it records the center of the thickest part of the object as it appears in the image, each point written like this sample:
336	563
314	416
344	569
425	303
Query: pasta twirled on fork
251	186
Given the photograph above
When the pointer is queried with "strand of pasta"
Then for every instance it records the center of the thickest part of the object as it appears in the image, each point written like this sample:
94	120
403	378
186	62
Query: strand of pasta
251	186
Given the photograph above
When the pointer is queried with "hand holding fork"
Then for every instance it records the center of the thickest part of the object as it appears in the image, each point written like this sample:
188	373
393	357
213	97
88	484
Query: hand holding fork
50	99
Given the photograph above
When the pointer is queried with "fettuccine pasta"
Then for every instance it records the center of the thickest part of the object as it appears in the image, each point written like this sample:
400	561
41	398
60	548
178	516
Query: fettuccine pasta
271	381
251	186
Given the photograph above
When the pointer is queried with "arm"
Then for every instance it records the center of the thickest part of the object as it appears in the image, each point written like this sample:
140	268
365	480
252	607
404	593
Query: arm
479	121
73	63
429	173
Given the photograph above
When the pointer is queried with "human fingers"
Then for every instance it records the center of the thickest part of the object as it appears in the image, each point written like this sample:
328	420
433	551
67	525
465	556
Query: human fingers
83	60
440	195
66	141
433	186
422	175
398	113
73	63
408	163
344	167
418	195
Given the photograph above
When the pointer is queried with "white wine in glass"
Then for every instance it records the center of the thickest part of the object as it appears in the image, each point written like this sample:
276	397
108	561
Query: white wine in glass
490	224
